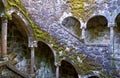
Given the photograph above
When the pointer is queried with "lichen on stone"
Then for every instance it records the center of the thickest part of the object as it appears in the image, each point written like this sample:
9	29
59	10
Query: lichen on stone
17	4
81	62
79	9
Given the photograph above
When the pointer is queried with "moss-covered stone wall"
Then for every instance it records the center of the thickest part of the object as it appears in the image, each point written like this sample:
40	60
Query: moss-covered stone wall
60	39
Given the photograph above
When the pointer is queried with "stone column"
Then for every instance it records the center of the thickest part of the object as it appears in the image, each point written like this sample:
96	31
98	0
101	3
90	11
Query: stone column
4	37
112	36
32	59
83	32
32	44
57	70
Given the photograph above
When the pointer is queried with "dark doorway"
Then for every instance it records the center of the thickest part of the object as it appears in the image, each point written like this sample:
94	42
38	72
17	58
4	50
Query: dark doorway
67	70
44	60
97	30
117	22
17	44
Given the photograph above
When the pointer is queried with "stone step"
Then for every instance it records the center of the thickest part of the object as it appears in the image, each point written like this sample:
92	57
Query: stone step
12	68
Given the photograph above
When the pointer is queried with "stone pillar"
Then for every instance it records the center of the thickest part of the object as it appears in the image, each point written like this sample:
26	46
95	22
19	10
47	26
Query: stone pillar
83	32
57	70
112	37
112	43
4	37
32	59
32	44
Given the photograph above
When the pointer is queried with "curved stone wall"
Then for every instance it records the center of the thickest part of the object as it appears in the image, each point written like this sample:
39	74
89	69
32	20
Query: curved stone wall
48	21
47	13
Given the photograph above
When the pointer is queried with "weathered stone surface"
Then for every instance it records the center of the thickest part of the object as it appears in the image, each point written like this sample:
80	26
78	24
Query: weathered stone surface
46	14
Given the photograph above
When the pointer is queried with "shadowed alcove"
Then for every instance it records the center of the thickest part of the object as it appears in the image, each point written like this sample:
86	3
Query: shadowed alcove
117	22
73	25
17	44
93	77
44	61
97	30
67	70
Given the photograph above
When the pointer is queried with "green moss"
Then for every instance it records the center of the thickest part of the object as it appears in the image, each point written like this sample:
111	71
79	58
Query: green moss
86	67
112	75
17	4
18	1
102	74
79	10
38	33
8	16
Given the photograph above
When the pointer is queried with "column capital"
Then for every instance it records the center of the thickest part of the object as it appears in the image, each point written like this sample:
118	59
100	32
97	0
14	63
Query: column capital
33	44
57	64
83	25
111	25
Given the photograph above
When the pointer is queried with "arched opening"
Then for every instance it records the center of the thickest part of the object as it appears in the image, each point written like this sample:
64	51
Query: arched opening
44	61
117	22
97	30
67	70
17	44
93	77
73	25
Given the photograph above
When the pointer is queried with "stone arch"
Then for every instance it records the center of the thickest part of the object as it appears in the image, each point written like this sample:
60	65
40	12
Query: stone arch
97	30
52	50
99	21
67	70
65	15
117	22
44	60
73	25
14	12
19	31
24	23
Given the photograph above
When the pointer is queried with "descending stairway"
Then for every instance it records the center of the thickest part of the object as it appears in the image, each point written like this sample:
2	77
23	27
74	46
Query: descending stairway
5	65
